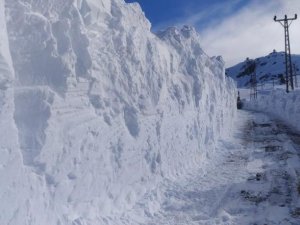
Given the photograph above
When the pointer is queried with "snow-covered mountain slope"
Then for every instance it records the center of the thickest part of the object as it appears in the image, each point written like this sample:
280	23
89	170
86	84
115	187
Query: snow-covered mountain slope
268	69
96	110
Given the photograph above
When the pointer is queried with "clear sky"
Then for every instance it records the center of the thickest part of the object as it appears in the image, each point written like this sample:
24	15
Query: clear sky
235	29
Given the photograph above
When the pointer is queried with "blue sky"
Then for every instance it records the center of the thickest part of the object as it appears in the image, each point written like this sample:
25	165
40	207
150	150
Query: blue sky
163	13
235	29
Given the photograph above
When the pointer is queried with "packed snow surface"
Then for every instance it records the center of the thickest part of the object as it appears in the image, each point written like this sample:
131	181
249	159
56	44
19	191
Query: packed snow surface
96	111
253	179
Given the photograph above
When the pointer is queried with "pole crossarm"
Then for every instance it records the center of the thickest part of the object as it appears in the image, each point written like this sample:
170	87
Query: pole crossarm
285	18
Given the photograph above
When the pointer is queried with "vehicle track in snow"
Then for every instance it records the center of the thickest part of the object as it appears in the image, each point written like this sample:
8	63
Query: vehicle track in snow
252	179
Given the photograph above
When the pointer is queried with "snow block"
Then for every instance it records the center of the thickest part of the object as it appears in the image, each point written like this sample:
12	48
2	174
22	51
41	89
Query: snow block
96	110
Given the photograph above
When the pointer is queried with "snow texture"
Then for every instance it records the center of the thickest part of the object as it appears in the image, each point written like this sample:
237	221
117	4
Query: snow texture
281	105
96	110
253	179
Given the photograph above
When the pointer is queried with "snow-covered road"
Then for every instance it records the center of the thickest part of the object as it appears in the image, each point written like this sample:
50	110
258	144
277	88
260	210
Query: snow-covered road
254	180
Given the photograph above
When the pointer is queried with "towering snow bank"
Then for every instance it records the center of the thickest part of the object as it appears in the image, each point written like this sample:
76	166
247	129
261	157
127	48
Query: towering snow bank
281	105
6	75
102	110
13	177
8	140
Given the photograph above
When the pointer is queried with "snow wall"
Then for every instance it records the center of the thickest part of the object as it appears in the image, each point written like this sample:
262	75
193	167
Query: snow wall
279	104
96	110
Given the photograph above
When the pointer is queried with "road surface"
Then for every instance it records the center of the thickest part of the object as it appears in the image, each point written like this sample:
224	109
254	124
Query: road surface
253	179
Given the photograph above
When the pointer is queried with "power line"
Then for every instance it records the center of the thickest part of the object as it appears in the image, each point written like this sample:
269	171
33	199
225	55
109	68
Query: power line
286	22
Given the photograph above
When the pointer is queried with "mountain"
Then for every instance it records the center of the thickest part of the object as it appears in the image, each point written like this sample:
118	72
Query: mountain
96	110
268	68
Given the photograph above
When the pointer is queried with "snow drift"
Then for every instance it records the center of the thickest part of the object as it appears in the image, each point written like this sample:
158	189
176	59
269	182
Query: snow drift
96	110
281	105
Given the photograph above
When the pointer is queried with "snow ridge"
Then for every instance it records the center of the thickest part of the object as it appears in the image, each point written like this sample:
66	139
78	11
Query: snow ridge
100	110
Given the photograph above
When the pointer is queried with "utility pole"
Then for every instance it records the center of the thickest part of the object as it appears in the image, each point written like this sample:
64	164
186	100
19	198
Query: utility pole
295	74
251	68
286	22
253	91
